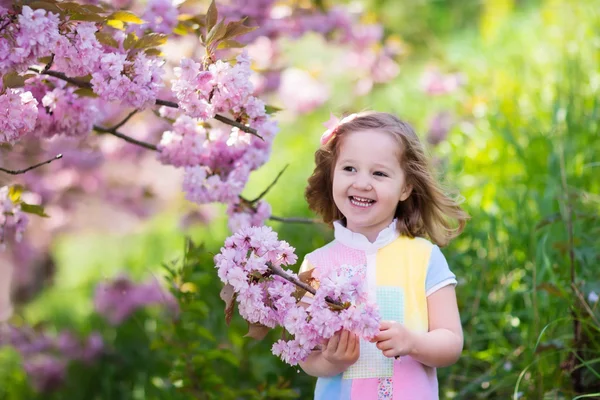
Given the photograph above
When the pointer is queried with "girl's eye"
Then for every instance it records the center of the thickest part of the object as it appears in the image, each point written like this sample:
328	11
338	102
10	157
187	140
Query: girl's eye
349	169
379	173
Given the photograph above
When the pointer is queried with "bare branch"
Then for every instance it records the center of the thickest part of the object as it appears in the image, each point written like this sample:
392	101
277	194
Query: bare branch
125	137
167	103
22	171
260	196
127	118
238	125
63	77
295	220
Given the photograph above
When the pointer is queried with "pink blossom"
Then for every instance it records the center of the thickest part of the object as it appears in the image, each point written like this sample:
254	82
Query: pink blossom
18	114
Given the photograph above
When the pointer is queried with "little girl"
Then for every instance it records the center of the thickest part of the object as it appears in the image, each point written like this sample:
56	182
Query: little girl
373	183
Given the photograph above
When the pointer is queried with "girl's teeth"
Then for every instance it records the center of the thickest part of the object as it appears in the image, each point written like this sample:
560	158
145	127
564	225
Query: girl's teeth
361	202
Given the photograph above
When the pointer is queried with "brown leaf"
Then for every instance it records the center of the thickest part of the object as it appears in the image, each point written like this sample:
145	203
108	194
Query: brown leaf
212	15
237	28
550	288
228	296
257	331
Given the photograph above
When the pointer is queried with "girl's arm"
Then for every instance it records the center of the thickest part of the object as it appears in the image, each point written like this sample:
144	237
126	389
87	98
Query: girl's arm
338	353
440	347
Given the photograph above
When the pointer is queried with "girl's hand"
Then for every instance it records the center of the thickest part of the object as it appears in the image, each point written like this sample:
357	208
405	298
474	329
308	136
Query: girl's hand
343	348
394	340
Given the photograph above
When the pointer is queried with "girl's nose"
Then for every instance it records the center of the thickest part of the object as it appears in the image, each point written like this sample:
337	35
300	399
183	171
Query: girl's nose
362	183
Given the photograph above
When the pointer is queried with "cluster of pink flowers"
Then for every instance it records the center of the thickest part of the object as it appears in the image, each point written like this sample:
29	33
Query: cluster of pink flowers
435	83
78	52
251	262
118	299
161	16
136	82
46	358
217	162
33	35
18	114
60	110
13	221
244	217
221	88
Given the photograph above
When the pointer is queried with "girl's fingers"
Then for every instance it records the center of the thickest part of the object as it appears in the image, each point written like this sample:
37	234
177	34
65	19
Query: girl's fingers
385	345
333	343
354	344
343	344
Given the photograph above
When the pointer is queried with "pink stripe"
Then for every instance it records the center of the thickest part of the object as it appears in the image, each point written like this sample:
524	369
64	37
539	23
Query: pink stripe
364	389
413	380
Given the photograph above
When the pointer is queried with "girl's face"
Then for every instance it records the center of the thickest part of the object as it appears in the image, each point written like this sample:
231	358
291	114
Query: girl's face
368	181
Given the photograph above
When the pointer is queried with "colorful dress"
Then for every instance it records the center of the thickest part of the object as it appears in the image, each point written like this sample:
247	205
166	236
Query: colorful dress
400	273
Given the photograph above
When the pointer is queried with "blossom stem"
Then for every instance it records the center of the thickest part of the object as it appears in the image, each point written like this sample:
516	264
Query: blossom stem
22	171
129	139
280	272
260	196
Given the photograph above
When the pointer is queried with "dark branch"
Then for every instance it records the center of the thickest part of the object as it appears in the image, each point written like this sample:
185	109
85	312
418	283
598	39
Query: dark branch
167	103
238	125
295	220
65	78
260	196
22	171
127	118
125	137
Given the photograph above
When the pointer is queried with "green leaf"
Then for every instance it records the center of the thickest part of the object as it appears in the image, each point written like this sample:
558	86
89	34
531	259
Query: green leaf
13	80
238	28
126	16
230	44
183	28
107	39
272	109
116	24
130	40
153	52
85	17
216	33
85	92
212	15
14	193
150	40
34	209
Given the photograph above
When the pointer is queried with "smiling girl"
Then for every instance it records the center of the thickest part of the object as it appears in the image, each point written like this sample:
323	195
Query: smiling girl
372	182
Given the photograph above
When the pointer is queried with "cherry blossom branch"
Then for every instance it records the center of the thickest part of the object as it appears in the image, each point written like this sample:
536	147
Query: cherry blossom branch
127	118
295	220
22	171
129	139
280	272
160	102
264	192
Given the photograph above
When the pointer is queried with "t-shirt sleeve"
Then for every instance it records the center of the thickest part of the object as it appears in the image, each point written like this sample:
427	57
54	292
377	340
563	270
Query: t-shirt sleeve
438	272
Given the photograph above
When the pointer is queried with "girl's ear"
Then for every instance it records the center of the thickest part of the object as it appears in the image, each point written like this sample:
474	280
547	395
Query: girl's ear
406	191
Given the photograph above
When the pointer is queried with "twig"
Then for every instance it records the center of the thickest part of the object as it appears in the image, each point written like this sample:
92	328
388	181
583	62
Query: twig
64	77
127	118
260	196
280	272
295	220
585	304
49	65
22	171
125	137
238	125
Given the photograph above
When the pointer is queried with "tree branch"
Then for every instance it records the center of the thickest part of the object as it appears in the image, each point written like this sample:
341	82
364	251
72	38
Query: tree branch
295	220
120	124
159	102
125	137
260	196
280	272
22	171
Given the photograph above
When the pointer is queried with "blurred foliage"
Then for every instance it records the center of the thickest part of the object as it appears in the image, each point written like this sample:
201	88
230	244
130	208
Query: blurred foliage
523	151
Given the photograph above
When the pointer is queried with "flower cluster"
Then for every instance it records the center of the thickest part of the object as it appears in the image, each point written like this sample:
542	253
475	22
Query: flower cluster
79	51
251	263
13	221
135	81
18	114
217	162
118	299
46	358
60	110
161	16
33	35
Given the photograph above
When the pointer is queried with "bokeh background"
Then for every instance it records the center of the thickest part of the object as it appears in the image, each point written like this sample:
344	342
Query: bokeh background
506	96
